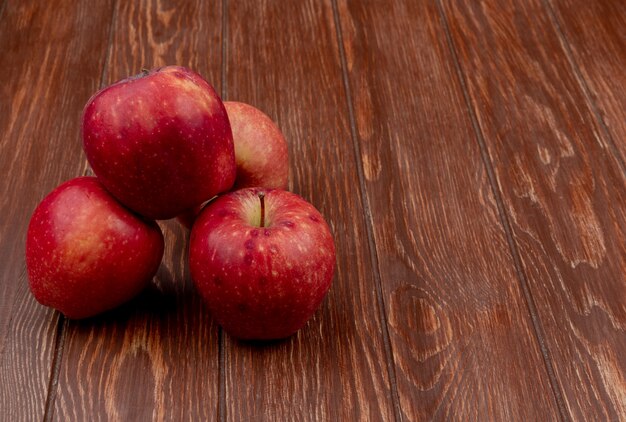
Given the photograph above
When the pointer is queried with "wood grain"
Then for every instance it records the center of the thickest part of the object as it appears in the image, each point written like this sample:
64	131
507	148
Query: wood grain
463	339
45	45
336	367
563	191
469	157
595	36
157	357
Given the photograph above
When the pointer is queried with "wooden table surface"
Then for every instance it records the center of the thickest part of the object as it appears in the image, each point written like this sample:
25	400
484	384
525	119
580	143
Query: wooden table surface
469	157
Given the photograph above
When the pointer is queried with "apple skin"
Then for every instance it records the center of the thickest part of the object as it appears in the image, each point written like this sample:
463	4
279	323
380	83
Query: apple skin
261	283
187	218
160	142
261	153
260	148
86	253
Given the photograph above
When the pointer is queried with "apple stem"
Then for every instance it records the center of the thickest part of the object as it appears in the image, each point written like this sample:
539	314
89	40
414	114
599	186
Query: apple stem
145	71
262	199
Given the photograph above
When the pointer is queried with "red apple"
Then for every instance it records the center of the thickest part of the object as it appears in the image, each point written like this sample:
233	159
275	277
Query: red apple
86	253
260	148
260	152
263	261
187	218
160	141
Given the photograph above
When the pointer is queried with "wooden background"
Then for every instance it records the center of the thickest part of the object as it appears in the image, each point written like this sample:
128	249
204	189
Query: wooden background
469	157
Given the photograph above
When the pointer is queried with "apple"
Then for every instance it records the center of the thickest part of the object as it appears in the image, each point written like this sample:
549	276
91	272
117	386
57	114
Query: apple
186	218
160	141
260	153
260	148
263	260
86	253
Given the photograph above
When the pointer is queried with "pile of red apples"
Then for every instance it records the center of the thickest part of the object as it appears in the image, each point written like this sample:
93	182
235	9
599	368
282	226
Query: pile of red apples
163	145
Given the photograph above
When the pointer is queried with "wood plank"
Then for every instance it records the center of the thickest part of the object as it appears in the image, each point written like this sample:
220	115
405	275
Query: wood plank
562	189
283	58
45	45
595	36
157	357
463	338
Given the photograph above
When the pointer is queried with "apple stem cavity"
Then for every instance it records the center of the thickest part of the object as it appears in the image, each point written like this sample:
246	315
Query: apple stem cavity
262	199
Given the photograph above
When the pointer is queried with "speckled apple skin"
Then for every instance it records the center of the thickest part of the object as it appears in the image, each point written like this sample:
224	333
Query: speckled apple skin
161	143
86	253
260	148
261	282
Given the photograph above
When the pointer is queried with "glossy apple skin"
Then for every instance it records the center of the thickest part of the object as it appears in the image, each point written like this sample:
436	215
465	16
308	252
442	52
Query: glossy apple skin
160	142
260	148
86	253
261	283
261	153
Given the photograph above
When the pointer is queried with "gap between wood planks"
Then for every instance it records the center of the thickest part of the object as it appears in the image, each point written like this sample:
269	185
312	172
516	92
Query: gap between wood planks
369	226
221	341
504	220
56	367
63	322
583	84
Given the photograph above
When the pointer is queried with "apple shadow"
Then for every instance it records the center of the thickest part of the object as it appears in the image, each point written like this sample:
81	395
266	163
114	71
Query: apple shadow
261	344
159	299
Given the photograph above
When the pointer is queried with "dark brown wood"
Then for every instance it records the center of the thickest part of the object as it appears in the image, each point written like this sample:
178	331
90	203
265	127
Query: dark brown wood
563	191
469	157
595	36
335	368
49	65
155	358
463	340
